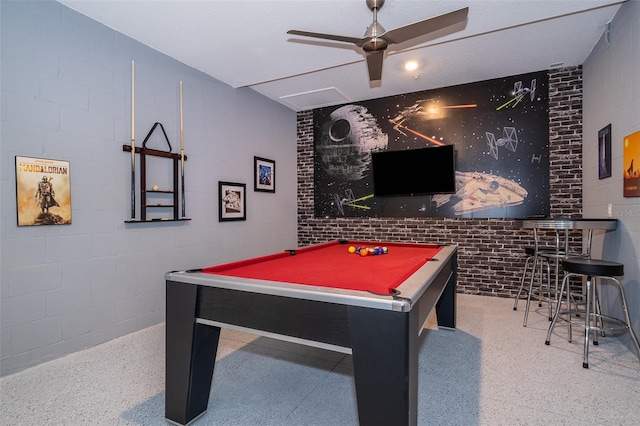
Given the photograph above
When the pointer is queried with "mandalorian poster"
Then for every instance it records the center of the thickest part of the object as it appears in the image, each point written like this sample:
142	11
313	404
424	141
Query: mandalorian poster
43	191
500	131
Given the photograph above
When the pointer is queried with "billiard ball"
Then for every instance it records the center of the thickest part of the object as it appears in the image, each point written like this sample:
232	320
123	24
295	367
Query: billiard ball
155	187
364	252
352	249
385	250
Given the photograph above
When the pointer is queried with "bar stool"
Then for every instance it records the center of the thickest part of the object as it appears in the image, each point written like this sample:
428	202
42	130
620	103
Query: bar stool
546	254
535	256
594	270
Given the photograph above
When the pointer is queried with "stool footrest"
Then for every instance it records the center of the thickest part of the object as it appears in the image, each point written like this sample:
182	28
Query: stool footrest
623	326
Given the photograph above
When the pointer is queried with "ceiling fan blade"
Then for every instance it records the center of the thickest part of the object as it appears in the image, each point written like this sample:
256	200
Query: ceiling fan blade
357	41
402	34
374	63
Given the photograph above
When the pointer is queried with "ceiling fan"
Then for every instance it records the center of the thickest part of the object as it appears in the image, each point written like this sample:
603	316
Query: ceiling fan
376	39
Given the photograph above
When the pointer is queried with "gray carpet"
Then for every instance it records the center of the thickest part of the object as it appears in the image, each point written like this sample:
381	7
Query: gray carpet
490	371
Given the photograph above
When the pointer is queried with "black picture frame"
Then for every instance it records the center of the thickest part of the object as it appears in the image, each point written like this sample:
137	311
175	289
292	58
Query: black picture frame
264	175
232	201
604	152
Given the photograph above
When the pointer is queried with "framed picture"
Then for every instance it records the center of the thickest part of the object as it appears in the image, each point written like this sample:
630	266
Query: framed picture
604	152
43	192
631	165
264	175
233	201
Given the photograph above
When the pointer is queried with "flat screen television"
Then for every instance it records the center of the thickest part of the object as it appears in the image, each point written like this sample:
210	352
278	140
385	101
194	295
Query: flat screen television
414	171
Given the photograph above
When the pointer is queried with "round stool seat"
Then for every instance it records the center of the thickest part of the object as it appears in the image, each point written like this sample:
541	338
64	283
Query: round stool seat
593	267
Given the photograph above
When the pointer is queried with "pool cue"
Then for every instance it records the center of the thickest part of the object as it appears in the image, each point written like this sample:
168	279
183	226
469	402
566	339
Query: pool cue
133	143
182	151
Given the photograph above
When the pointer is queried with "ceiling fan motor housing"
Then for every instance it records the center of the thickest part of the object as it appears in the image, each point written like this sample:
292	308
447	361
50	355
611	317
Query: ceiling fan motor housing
375	44
375	4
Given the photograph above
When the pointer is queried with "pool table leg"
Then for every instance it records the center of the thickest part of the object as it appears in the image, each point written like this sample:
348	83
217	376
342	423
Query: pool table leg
385	365
446	305
190	356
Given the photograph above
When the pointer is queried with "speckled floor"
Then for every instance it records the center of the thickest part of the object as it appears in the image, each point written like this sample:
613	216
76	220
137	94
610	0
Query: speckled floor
490	371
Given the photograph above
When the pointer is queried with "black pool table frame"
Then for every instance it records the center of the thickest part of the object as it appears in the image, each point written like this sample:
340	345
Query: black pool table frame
381	333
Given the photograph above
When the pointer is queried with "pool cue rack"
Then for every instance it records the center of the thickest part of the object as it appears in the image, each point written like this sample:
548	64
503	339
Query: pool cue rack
143	152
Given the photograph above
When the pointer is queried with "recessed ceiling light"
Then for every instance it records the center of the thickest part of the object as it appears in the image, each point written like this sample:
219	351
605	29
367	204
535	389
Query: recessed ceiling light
410	65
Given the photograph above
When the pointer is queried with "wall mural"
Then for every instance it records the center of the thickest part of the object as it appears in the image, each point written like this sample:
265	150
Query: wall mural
500	130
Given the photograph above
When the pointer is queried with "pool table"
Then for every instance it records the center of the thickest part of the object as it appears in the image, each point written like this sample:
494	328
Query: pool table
373	307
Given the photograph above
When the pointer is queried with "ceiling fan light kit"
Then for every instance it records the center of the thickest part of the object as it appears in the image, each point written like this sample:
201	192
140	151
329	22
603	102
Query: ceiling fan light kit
411	65
376	39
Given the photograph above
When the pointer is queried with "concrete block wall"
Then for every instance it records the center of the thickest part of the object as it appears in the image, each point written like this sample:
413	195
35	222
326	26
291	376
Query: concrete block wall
66	94
612	96
491	252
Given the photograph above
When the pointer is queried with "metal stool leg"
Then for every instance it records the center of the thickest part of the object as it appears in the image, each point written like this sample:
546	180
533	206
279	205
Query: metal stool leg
570	311
524	275
533	277
542	260
550	298
598	313
625	310
558	308
593	303
587	321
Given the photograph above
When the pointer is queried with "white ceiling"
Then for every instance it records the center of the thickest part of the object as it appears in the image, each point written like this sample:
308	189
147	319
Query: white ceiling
245	43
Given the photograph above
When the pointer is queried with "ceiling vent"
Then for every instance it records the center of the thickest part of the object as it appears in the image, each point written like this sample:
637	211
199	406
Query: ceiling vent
314	99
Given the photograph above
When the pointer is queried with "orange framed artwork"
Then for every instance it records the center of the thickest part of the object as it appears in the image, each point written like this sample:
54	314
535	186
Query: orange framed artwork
631	165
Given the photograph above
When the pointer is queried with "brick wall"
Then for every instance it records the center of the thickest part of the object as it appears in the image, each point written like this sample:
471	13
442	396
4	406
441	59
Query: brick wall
565	142
490	255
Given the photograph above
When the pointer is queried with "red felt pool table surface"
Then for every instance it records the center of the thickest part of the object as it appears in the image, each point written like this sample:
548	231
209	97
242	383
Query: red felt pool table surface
331	265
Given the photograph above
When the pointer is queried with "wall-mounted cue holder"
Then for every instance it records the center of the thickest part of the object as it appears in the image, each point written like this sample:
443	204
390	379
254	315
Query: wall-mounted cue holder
169	199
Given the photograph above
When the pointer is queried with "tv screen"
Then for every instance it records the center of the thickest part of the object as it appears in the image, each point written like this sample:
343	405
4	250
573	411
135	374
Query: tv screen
414	171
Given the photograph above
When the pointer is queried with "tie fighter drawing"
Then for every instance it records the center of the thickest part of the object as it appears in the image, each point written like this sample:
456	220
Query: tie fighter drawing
518	93
350	200
509	141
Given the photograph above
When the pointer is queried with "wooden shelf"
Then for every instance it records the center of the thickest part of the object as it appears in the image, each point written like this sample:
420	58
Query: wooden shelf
184	219
143	153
